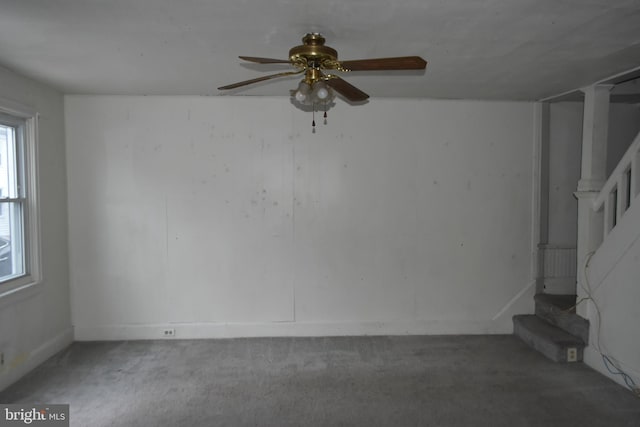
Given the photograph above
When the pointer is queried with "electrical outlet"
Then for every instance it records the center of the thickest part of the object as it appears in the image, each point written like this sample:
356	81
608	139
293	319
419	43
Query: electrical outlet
169	333
572	354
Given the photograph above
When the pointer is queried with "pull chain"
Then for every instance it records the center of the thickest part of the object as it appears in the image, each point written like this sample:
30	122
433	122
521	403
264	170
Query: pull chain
313	121
325	113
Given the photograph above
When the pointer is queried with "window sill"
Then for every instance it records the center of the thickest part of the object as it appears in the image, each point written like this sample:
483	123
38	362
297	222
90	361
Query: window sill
18	292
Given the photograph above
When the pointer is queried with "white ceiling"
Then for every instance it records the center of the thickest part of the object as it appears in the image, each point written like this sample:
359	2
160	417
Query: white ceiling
477	49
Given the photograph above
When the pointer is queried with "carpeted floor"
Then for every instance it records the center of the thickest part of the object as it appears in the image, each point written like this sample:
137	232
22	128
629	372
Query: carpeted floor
443	381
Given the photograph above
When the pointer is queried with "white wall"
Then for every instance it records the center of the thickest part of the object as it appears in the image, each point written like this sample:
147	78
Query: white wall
565	142
225	216
37	323
563	172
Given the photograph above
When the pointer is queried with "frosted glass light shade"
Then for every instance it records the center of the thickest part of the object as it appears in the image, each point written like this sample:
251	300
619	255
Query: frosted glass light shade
304	88
320	91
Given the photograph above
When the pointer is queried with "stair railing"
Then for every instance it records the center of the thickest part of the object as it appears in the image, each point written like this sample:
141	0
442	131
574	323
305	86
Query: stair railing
621	189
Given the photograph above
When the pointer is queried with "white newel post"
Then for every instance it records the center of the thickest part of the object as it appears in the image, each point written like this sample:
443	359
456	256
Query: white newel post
595	128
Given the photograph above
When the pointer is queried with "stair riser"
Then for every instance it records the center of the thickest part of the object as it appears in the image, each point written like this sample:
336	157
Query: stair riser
556	351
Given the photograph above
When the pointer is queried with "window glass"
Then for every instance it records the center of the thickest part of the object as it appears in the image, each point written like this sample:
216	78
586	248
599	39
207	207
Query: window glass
12	200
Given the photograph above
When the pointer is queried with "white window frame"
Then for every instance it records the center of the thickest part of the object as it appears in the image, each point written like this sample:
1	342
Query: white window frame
31	218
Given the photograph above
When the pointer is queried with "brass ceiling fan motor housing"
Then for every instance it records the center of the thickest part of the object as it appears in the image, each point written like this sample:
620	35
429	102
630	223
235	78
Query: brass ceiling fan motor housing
313	53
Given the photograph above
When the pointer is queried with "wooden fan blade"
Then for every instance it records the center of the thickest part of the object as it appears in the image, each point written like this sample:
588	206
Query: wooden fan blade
265	60
398	63
346	89
259	79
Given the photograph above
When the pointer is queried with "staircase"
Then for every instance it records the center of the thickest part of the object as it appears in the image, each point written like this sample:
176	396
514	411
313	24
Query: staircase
555	330
607	226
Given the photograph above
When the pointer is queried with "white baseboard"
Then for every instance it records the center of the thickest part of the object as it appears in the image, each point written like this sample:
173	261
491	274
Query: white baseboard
290	329
593	359
36	357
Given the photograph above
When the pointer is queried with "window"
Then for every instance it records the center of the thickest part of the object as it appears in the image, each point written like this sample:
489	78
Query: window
18	219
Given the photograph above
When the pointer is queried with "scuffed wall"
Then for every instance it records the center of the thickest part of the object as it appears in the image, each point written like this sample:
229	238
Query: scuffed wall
226	216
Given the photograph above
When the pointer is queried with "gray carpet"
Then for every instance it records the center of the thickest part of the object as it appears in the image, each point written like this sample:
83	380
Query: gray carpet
443	381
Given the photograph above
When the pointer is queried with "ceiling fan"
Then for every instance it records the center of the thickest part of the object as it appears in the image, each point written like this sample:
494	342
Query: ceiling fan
313	58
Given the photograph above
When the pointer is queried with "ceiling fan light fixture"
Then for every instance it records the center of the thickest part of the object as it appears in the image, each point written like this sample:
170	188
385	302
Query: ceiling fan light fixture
313	94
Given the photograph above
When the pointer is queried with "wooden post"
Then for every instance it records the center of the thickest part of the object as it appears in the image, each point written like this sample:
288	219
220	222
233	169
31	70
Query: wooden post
595	128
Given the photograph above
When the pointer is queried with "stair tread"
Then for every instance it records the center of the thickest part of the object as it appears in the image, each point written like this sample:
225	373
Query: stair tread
563	302
547	331
557	310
